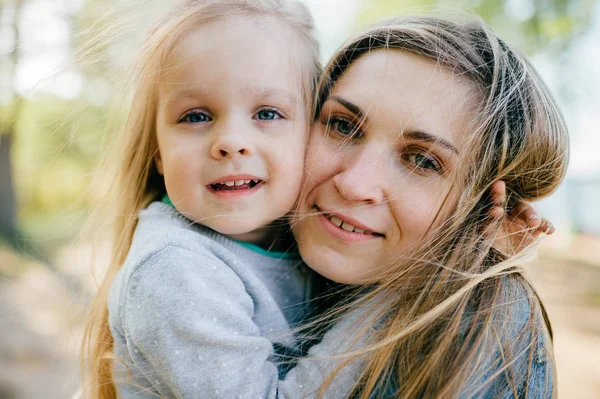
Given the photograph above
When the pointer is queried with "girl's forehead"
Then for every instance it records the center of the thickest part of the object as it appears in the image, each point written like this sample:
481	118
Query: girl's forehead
262	49
227	34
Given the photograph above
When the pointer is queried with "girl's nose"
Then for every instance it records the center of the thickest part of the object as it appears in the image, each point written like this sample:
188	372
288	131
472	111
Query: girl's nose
231	145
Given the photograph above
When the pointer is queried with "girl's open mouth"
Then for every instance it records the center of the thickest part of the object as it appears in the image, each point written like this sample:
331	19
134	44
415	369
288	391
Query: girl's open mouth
235	185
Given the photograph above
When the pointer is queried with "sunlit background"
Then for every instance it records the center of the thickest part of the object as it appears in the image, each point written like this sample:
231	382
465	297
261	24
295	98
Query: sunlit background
57	110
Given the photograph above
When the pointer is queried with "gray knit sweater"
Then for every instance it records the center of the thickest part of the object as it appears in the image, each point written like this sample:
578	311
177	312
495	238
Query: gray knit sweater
196	315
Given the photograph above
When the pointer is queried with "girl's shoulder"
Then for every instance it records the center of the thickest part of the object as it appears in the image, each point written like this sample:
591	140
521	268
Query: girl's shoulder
163	237
167	255
159	225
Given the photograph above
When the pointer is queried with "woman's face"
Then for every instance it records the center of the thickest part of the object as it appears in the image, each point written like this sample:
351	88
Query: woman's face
381	162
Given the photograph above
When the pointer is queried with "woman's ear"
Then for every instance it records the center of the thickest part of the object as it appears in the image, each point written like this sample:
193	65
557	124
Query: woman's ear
158	162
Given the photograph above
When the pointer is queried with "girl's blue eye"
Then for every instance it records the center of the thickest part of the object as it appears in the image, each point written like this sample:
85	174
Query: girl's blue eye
267	115
422	161
195	117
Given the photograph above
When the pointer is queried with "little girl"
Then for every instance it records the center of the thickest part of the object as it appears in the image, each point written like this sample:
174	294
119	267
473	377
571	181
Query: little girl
212	163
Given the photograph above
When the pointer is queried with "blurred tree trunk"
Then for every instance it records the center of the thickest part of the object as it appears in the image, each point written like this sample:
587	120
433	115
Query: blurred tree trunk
8	225
8	205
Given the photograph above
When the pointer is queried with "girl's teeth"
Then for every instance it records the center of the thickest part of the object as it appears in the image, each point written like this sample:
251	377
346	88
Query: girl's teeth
358	231
237	182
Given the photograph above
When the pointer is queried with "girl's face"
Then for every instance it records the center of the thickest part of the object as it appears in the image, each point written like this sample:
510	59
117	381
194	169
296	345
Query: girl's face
232	126
381	161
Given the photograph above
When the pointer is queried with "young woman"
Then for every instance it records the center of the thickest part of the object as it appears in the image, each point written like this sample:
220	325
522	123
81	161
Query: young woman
416	120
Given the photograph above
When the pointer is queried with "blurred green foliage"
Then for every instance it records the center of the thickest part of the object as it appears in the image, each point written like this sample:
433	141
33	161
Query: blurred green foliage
533	25
56	145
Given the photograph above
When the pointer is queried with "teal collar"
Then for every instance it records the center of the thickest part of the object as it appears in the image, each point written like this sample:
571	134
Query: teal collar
166	200
293	254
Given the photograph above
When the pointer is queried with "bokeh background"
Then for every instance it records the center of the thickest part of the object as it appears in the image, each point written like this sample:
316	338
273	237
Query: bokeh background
60	64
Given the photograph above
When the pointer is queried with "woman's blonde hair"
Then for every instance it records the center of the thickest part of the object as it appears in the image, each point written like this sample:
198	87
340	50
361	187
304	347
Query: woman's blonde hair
448	317
136	181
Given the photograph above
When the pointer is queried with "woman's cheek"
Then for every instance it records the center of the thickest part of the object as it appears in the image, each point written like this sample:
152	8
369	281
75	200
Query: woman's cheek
321	158
415	207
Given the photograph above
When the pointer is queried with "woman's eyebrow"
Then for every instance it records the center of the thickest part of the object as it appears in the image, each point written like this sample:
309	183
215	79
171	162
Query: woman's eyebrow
412	135
355	109
430	138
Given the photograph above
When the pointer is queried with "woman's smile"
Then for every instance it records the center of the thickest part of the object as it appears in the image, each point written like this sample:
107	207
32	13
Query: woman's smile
345	228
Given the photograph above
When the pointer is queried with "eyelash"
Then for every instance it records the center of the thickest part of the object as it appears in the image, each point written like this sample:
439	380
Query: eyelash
271	109
187	115
332	123
437	167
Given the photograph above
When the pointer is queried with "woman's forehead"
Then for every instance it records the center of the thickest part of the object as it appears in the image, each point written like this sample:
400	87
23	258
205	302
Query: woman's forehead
409	91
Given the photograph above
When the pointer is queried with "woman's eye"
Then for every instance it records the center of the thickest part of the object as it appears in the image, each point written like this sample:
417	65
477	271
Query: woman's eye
195	117
422	161
268	115
342	127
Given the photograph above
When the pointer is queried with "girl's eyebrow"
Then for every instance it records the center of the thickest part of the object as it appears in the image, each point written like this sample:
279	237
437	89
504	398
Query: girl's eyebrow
412	135
192	94
256	91
269	92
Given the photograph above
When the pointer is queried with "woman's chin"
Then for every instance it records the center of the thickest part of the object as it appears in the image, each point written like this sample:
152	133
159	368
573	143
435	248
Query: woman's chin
334	265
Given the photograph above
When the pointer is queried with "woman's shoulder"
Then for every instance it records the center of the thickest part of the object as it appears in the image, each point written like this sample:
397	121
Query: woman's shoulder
517	308
519	339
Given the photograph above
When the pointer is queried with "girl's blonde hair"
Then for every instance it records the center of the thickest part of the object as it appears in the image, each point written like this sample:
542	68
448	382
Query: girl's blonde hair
136	181
445	316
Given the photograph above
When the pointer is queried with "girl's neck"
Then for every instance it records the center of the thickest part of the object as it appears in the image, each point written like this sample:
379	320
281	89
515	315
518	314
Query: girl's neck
276	236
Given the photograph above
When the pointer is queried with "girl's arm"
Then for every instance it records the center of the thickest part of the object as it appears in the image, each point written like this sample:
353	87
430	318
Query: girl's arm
188	324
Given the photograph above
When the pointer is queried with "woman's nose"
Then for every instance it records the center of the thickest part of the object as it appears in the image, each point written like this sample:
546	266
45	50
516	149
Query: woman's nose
232	144
362	180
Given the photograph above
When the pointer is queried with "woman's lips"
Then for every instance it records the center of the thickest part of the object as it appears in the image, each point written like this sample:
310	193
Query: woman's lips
346	229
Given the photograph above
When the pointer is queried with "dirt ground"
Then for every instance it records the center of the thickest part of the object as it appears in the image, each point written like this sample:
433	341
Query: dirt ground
40	319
